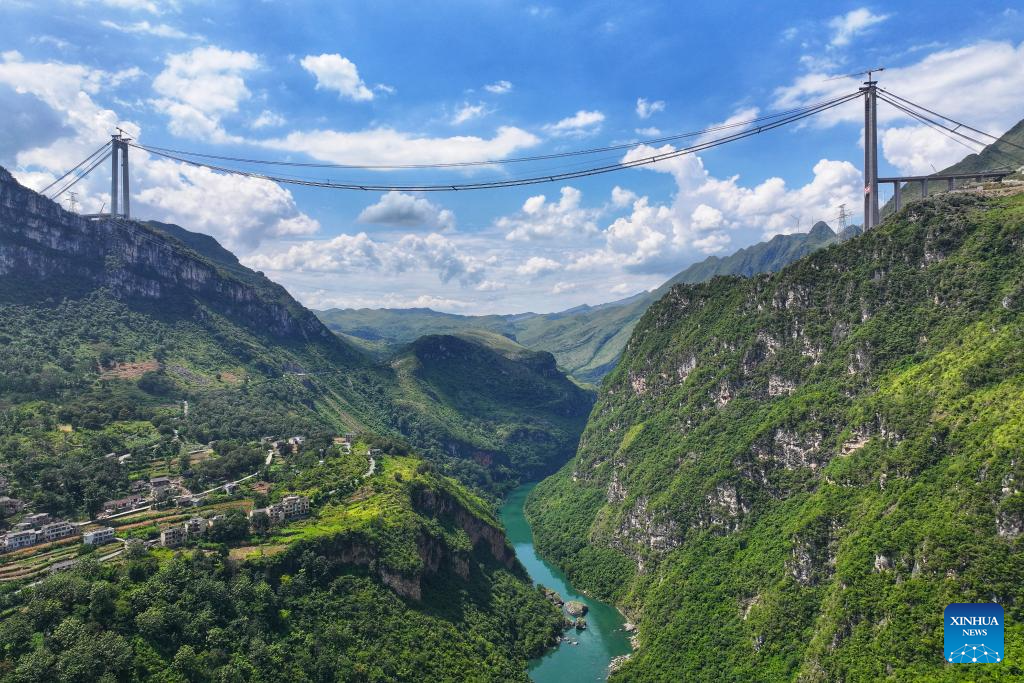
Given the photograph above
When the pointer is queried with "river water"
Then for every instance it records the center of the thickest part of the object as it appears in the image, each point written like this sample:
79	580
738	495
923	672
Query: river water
603	638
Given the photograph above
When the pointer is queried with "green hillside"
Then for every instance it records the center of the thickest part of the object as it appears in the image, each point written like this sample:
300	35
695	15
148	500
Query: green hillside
110	323
586	341
789	476
506	413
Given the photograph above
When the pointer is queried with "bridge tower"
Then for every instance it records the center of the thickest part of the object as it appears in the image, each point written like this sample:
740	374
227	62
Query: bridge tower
119	148
870	90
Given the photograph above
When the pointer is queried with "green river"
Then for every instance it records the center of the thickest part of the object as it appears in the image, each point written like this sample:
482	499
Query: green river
604	637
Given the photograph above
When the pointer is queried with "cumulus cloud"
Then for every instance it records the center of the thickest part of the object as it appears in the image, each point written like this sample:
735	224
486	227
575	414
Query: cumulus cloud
359	253
564	287
404	210
389	146
337	73
579	124
541	219
644	108
847	26
992	72
499	87
706	212
199	87
241	212
536	266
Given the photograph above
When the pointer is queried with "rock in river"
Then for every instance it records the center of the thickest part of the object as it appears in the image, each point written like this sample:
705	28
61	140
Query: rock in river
575	608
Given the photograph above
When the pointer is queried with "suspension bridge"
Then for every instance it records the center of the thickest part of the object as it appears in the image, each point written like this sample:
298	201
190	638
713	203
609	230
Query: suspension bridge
591	165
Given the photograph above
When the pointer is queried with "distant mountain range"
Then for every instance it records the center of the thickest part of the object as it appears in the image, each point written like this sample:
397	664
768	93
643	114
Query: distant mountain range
586	341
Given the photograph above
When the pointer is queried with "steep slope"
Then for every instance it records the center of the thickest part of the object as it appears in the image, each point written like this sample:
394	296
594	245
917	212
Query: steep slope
113	321
504	412
152	344
1004	153
587	340
789	476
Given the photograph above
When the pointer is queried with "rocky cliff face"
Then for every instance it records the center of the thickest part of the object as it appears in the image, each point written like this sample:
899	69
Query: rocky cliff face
50	252
784	454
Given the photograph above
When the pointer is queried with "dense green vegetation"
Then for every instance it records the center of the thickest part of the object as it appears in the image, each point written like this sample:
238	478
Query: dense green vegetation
506	412
312	608
110	333
790	476
139	350
586	341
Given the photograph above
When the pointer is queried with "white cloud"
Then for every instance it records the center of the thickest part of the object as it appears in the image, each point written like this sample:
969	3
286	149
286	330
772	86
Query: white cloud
541	219
706	212
145	28
201	86
491	286
992	72
359	253
499	87
579	124
241	212
389	146
644	108
649	132
337	73
267	119
535	266
468	112
409	211
564	287
622	197
847	26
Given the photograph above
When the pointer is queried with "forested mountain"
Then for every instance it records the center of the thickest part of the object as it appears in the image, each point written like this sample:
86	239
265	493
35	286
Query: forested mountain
587	340
789	476
526	415
117	320
138	352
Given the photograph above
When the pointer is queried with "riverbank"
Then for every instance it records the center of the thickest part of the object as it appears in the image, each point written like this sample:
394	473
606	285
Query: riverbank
582	655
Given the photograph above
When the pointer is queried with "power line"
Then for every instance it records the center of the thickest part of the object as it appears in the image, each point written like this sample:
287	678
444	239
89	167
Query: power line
491	162
533	180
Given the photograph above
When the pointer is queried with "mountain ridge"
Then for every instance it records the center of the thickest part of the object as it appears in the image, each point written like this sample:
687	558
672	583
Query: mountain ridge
586	340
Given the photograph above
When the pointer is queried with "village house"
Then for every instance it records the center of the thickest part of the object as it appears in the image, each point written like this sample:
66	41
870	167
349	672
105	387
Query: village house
100	536
294	506
56	530
139	486
160	484
18	539
125	503
172	536
290	507
37	520
195	527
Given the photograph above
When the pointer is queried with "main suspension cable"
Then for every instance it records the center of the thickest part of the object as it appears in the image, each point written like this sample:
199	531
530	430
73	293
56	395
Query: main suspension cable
533	180
496	162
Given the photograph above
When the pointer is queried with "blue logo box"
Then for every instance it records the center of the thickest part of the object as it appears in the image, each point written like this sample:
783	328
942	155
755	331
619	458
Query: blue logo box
973	633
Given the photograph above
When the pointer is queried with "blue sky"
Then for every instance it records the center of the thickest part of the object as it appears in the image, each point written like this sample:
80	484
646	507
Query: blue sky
404	82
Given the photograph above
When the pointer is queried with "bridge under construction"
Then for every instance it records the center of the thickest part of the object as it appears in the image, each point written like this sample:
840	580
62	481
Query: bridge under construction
566	166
